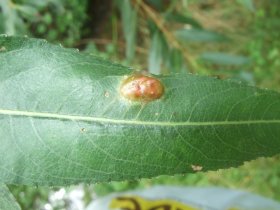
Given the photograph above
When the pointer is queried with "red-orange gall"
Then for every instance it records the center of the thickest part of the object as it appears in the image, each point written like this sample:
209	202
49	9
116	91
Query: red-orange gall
141	88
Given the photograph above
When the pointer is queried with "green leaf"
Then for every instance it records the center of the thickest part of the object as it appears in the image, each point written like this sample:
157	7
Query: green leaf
199	35
179	18
249	4
28	11
175	63
2	24
7	200
63	121
157	53
129	24
10	17
224	58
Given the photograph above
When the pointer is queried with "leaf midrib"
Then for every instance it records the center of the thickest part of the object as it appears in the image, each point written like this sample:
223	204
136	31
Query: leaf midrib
128	122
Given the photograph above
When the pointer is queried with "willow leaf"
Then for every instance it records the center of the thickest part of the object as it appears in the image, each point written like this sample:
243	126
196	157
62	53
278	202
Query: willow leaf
7	200
63	121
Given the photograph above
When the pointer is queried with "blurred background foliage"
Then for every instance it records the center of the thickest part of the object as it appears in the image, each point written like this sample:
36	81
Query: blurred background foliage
234	39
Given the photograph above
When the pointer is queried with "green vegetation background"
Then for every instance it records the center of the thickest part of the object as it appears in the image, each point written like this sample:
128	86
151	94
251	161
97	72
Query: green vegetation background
139	34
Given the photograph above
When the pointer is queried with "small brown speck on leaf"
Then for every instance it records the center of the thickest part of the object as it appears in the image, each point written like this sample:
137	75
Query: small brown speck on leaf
196	167
83	129
106	94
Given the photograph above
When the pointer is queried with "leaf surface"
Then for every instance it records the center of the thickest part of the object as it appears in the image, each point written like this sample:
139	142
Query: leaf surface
199	35
7	200
224	58
180	18
63	121
129	24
